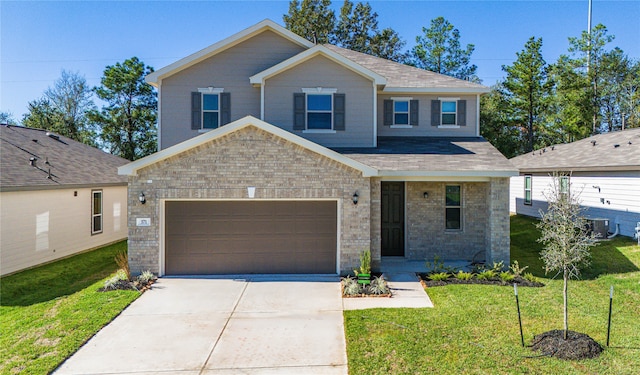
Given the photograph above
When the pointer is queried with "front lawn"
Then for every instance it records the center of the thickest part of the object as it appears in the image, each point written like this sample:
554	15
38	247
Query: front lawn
48	312
473	329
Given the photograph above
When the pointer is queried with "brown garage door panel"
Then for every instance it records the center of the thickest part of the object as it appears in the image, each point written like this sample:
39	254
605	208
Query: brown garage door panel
227	237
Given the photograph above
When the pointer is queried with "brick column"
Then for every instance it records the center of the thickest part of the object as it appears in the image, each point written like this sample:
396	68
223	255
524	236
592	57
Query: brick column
498	242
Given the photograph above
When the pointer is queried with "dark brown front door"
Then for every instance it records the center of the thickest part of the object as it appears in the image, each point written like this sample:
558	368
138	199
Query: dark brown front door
392	207
237	237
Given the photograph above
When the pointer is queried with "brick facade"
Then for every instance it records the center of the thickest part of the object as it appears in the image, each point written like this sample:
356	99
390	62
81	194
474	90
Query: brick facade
223	169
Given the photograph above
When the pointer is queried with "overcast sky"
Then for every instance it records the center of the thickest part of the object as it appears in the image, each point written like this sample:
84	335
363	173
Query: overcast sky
40	39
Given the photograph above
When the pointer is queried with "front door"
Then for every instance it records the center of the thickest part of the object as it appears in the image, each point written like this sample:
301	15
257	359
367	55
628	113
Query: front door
392	207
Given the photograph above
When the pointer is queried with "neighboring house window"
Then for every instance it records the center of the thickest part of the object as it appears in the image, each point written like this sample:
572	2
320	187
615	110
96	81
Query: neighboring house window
400	112
210	108
564	185
527	189
96	211
448	112
319	109
453	207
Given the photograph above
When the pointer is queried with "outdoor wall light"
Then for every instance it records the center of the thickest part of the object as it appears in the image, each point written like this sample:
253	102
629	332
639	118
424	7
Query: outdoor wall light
425	194
251	191
142	198
355	198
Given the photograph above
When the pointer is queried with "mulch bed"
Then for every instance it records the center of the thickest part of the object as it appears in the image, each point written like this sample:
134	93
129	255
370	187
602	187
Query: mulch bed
130	285
520	281
576	346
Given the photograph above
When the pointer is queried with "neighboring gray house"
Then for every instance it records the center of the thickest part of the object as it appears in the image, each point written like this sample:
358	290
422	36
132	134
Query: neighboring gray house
280	156
604	170
58	197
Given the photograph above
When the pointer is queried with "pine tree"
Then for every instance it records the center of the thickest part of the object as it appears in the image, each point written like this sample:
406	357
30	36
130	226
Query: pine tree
311	19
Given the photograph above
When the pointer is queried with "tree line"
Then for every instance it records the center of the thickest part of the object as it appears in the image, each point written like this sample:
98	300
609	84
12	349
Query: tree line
592	88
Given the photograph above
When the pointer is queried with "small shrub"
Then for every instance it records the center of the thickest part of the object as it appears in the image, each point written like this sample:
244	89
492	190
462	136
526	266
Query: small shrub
115	281
486	275
516	269
146	277
498	267
461	275
439	276
378	286
529	277
506	276
350	287
365	263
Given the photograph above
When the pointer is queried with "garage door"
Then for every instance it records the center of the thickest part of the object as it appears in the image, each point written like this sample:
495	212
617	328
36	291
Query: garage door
204	237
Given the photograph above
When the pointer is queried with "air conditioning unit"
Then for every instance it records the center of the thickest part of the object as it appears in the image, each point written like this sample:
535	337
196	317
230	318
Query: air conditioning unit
598	226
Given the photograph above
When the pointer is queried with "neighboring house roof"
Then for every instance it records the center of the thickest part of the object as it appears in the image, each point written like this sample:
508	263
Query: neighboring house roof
155	77
615	151
300	58
132	168
405	78
58	162
433	157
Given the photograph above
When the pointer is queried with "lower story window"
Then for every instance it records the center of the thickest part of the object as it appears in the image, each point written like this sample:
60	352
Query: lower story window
453	207
527	190
96	211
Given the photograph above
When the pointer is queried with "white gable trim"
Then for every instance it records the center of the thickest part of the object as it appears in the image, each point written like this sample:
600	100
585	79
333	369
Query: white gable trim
132	168
258	79
155	77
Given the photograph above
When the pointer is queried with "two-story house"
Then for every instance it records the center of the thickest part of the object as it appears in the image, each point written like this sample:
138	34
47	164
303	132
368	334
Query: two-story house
281	156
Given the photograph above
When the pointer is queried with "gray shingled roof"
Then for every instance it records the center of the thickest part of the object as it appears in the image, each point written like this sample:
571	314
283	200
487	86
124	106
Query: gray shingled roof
72	164
610	151
404	76
432	154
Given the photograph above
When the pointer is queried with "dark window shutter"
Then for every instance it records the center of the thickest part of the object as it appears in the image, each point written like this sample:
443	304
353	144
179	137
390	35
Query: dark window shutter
413	115
388	112
435	112
338	112
225	108
462	113
196	111
299	107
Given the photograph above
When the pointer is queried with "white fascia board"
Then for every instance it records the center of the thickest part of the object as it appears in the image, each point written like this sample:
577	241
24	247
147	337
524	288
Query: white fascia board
259	78
448	174
132	168
436	90
224	44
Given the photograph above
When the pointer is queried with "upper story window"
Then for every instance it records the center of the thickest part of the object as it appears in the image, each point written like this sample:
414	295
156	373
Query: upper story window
319	110
448	112
527	189
401	112
210	108
96	211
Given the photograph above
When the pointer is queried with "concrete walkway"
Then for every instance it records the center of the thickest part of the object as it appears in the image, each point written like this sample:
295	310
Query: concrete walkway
266	325
406	292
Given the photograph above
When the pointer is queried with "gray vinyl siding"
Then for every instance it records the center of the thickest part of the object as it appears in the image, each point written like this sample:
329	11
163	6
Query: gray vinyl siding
619	191
229	69
322	72
424	127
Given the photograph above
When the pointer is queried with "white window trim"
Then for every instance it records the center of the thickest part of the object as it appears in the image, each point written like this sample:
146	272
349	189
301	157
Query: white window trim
448	99
401	99
101	214
208	91
318	91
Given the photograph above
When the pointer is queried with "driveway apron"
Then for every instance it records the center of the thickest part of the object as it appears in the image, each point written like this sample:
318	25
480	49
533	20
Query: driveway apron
247	325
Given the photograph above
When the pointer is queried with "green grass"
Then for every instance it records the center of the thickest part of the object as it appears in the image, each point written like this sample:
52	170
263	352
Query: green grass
47	313
473	329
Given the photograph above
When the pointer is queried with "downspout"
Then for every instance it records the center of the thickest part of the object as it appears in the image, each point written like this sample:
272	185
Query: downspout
375	115
616	232
262	100
159	117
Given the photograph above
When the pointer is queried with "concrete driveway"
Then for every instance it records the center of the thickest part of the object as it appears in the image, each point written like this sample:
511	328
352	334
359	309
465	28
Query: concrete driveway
265	325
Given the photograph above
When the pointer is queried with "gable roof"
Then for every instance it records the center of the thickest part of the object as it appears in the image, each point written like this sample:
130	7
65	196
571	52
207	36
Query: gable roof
69	163
405	78
615	151
433	157
155	77
132	168
318	50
